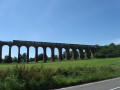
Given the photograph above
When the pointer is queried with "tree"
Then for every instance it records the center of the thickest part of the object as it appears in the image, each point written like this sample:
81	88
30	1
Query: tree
70	52
55	57
23	57
40	56
7	59
108	51
32	59
63	55
15	59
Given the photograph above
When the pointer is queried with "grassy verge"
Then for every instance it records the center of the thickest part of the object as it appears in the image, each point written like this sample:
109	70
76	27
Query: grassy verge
81	75
45	76
68	63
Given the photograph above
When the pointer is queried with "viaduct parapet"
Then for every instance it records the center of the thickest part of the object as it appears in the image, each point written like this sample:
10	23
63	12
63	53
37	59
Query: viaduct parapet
89	49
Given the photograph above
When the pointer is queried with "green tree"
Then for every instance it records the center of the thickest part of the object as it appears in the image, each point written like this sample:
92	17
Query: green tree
63	55
32	59
40	56
23	57
7	59
15	59
108	51
56	57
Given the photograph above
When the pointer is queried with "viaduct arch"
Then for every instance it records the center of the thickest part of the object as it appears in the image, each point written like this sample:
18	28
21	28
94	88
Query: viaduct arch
89	49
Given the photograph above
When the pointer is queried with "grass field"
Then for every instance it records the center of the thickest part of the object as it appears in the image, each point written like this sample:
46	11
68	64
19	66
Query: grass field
58	74
68	63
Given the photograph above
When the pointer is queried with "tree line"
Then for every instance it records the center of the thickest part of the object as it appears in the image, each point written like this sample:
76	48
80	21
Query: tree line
108	51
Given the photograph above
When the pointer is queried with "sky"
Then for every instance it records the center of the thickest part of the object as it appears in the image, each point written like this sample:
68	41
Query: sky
88	22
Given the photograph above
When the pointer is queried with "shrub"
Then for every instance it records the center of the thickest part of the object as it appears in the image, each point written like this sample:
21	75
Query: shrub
24	78
7	59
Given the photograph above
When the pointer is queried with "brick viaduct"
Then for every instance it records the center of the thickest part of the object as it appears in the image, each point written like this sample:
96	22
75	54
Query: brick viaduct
89	49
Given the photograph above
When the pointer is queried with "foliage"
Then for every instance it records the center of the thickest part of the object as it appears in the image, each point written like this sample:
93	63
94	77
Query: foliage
70	53
15	59
55	57
22	77
32	59
109	51
7	59
79	75
63	55
23	57
40	56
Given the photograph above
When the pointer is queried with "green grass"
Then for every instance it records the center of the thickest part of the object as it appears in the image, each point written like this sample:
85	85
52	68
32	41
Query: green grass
68	63
50	75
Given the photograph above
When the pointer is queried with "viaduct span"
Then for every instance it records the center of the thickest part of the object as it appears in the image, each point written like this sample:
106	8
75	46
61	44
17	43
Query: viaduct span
89	49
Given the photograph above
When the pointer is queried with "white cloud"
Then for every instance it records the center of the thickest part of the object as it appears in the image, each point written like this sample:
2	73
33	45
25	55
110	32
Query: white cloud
117	41
107	42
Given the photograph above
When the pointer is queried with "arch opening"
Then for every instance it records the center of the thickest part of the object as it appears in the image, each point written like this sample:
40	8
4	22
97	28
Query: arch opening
14	53
48	53
71	52
31	53
23	54
63	53
56	56
40	54
5	51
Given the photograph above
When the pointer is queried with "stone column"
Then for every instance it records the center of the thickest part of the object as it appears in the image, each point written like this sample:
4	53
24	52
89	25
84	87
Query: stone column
67	54
44	54
86	53
60	54
0	54
52	53
10	59
80	54
27	55
19	54
36	54
74	54
89	53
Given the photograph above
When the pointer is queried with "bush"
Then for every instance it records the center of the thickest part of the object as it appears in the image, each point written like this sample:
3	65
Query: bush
7	59
24	78
15	59
108	51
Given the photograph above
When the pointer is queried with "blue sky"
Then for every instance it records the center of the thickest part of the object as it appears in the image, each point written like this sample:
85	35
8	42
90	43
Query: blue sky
64	21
